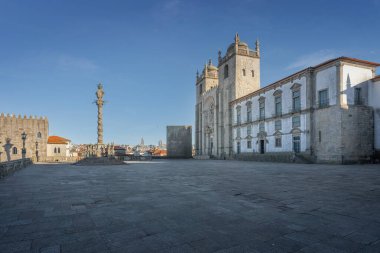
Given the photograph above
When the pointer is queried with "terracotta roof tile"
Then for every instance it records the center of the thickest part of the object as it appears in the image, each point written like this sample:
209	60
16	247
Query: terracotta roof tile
57	140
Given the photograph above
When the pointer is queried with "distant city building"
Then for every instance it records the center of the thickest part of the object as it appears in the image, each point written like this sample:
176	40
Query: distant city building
36	131
120	151
160	152
323	113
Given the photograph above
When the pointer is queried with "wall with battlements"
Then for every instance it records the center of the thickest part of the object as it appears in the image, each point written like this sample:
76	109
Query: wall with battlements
11	143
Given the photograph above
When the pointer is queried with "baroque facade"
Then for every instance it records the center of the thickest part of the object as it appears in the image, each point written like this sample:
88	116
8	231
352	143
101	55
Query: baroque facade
11	144
325	113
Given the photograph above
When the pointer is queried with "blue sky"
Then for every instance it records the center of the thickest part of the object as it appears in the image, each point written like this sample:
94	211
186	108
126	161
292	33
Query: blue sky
146	53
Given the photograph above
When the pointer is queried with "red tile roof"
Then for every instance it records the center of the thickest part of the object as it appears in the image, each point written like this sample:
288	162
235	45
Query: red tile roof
57	140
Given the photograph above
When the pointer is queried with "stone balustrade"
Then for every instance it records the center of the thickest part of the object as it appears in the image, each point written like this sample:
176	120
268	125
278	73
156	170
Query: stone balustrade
7	168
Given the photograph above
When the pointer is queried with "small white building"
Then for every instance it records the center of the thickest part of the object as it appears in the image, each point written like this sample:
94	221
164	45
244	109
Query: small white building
58	149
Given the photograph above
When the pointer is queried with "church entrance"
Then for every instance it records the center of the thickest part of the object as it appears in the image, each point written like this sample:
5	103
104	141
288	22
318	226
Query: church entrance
210	145
262	146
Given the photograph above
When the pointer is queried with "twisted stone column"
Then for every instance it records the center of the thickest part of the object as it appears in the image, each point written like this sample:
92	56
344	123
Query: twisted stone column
99	103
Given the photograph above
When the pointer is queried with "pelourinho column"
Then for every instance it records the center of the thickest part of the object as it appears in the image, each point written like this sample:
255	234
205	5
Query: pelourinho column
99	102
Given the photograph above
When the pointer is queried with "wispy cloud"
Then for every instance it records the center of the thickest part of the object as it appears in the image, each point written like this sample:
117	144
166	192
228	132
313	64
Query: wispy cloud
67	62
171	7
311	59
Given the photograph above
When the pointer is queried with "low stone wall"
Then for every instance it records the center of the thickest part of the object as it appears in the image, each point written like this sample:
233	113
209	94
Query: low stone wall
201	157
64	159
7	168
280	157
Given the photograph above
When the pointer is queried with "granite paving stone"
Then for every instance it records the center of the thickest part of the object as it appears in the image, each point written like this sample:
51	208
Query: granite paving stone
191	206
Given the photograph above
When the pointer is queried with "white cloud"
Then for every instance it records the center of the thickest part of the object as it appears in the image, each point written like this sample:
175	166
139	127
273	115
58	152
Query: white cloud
312	59
67	62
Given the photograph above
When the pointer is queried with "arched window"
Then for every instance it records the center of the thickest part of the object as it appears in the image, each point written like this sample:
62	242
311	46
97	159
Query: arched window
226	71
14	150
55	150
59	150
39	135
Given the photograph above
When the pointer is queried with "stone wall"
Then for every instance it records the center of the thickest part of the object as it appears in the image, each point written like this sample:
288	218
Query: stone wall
7	168
343	135
357	134
11	128
178	139
328	135
68	159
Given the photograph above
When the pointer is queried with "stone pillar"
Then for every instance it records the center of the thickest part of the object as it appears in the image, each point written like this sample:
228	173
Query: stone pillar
99	103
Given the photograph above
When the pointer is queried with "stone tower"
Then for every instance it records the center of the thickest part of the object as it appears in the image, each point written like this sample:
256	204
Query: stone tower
237	75
99	102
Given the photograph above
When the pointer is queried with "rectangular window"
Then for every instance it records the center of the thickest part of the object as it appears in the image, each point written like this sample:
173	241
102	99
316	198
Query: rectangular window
296	144
200	89
278	143
358	96
262	109
296	122
253	73
238	115
320	136
323	98
277	125
238	147
225	71
278	105
249	130
249	112
296	101
249	144
238	132
243	72
261	127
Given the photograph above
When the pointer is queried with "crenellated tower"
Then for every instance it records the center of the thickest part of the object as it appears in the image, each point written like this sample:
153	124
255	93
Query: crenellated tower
11	143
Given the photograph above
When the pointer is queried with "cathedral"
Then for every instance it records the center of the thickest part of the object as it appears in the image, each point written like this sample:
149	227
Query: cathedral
328	113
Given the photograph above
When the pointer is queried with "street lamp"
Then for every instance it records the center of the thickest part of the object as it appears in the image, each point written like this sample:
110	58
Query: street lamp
23	137
37	151
0	150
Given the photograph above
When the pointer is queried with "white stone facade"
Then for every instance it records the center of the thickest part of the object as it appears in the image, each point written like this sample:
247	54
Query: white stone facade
323	113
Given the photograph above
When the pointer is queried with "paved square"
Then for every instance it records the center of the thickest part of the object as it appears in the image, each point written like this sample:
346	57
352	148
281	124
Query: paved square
191	206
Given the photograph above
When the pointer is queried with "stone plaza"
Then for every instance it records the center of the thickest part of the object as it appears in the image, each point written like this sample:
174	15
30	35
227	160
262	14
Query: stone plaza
191	206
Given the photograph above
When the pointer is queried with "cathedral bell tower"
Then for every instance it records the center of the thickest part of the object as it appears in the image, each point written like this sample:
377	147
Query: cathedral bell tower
239	75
